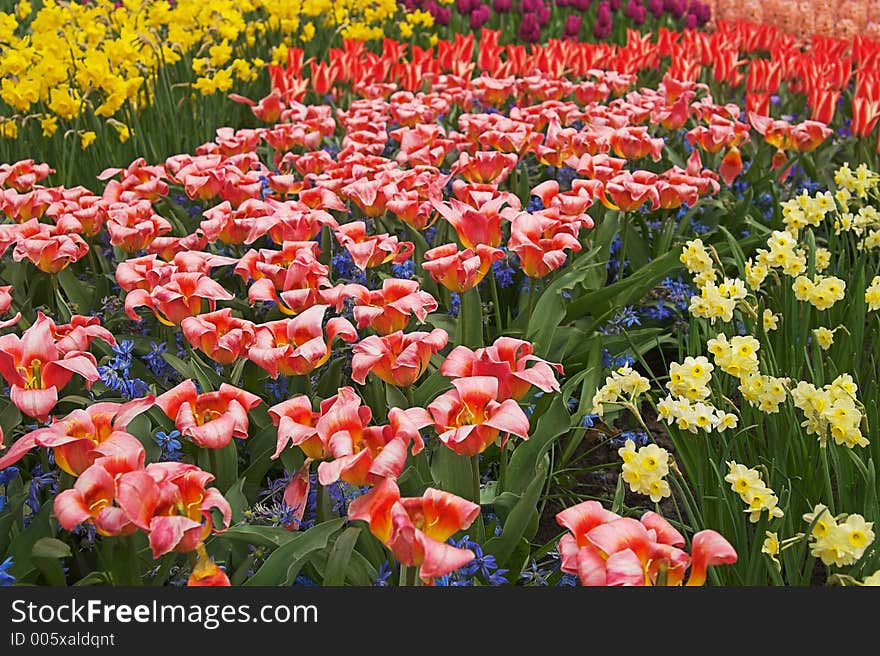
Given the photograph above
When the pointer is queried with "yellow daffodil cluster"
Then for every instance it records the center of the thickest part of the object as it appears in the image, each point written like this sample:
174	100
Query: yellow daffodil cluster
718	301
698	261
839	540
752	490
622	386
803	210
822	292
96	58
833	410
783	254
872	294
856	183
685	404
695	416
645	470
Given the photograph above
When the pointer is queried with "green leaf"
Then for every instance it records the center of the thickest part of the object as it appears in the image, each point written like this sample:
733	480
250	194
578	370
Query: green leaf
50	548
340	555
470	319
522	516
430	389
77	292
237	500
264	536
283	564
524	462
452	472
183	368
395	397
22	545
331	379
46	554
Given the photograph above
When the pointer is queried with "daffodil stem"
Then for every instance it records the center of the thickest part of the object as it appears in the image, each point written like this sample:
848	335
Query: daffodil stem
827	476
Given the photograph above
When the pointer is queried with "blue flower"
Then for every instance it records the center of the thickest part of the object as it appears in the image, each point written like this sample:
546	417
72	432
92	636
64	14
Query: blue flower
454	304
638	436
535	204
404	270
625	318
8	474
535	575
170	445
383	575
657	310
568	580
40	480
6	579
277	387
588	421
345	268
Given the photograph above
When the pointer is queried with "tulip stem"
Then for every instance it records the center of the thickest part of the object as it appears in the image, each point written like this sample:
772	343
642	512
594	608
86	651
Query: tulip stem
410	401
409	576
496	304
502	467
478	527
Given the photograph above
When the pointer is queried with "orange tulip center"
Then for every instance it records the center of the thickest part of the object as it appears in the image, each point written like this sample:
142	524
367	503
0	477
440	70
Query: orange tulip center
97	506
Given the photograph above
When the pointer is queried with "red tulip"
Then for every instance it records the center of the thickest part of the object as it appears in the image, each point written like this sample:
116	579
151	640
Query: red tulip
134	226
77	438
206	573
219	335
485	166
457	270
731	165
416	528
469	417
23	174
374	250
603	548
362	454
397	359
507	361
180	297
299	345
170	502
474	225
296	426
388	310
90	501
49	250
634	142
5	303
36	370
211	419
540	242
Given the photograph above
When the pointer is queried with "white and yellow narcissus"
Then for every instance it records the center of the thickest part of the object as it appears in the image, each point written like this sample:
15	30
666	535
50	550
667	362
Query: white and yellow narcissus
751	488
839	540
645	470
622	386
831	410
691	378
872	294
